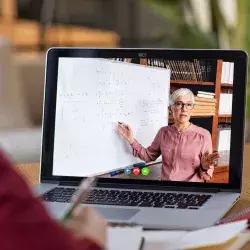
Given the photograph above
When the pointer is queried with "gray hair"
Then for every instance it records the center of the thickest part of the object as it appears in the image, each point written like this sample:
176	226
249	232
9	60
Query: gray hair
180	92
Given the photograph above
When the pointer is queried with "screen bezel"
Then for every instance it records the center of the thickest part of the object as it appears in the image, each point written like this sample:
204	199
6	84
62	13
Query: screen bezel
240	59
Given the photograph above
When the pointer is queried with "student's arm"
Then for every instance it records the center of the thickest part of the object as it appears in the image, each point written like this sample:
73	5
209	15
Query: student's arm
24	223
150	153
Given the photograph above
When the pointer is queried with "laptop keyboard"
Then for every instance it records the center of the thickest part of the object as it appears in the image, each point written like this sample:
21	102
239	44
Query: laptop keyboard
131	198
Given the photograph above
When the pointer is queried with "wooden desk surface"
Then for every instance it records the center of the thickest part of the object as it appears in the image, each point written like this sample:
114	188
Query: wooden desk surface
30	172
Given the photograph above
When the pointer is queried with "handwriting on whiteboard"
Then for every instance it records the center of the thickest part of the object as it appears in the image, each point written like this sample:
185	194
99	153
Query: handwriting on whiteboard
108	109
110	100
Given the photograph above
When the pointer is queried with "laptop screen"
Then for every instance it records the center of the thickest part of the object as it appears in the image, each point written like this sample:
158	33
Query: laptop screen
147	119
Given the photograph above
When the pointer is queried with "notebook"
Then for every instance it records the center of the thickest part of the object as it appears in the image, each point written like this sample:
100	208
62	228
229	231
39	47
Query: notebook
242	215
236	243
207	237
215	237
124	238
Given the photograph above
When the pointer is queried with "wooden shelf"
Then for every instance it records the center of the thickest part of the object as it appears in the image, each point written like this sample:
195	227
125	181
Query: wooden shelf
225	116
221	168
227	85
189	82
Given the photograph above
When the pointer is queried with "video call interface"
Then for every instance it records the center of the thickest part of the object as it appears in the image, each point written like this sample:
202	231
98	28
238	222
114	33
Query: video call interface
145	119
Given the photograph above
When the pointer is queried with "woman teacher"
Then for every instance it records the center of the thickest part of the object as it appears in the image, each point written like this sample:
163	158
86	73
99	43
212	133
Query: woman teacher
186	149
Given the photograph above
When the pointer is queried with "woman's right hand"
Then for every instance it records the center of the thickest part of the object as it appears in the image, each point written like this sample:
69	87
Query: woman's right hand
126	132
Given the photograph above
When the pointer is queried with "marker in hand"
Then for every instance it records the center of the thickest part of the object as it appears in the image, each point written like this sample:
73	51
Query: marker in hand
126	132
124	125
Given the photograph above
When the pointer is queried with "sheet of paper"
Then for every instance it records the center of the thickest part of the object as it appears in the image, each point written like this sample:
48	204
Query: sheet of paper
163	236
156	239
124	238
208	236
242	240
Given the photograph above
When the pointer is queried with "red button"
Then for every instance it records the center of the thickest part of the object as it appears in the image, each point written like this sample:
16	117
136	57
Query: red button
136	171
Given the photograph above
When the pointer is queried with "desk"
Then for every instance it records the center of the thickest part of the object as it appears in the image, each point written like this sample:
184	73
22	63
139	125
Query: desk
30	172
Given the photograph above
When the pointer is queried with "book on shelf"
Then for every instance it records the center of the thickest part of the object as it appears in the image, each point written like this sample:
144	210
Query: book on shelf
198	69
206	93
224	138
225	107
202	103
227	74
199	109
205	96
202	99
204	107
187	70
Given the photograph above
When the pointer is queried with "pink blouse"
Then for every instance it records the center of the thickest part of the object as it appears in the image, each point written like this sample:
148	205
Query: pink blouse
181	152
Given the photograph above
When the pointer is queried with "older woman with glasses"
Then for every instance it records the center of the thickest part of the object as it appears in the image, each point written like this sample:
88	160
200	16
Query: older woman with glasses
186	149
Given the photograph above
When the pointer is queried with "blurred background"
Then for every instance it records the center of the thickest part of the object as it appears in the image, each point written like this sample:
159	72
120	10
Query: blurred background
29	27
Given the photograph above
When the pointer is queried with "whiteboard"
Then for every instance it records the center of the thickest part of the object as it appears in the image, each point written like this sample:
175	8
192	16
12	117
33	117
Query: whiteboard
93	94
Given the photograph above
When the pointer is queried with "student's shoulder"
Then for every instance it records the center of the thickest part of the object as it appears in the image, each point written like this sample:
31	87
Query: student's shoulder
201	131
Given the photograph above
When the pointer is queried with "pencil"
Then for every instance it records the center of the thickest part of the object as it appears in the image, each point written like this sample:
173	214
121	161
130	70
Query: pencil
81	194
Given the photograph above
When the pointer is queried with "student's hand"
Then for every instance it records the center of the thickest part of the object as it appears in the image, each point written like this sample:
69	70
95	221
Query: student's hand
126	132
86	222
209	160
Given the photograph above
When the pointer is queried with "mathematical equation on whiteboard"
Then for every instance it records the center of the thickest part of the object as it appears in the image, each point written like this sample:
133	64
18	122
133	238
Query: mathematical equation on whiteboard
113	78
109	83
109	109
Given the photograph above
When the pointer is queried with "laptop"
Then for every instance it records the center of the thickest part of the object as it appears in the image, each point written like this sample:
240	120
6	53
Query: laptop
182	105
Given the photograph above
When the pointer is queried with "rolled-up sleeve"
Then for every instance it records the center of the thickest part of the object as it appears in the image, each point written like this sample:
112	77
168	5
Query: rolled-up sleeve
150	153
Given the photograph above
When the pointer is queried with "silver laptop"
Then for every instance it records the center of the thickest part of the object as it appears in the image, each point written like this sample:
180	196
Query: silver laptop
180	168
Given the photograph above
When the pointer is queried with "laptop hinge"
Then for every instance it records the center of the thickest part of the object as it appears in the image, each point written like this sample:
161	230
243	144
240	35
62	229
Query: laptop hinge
150	187
230	190
160	188
69	183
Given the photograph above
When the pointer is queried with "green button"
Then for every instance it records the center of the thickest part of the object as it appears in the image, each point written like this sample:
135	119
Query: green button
145	171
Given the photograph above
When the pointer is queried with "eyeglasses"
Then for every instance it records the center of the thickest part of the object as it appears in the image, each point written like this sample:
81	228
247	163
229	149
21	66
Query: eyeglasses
180	105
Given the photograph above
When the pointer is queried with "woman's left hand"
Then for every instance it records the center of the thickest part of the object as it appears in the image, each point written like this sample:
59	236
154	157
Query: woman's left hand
209	160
